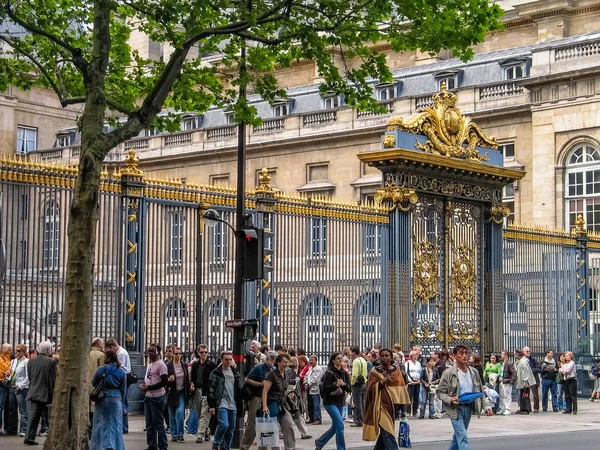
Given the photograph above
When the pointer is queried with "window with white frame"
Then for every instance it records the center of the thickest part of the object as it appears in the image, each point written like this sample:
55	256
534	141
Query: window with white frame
280	109
318	237
26	139
507	149
176	238
582	190
386	92
189	123
62	140
330	102
450	81
51	234
229	118
508	198
220	236
514	71
372	239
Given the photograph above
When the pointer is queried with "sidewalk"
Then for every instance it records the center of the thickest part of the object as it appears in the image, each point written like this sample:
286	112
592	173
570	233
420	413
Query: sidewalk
425	430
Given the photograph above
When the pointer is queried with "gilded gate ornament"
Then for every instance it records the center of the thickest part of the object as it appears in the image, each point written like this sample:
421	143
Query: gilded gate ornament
463	276
498	211
402	197
449	133
425	272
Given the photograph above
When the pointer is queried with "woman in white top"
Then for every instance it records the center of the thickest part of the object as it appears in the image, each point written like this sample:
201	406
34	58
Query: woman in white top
413	371
569	373
19	385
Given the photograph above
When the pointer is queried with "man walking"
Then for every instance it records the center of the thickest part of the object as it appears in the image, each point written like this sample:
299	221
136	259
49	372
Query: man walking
42	376
253	384
536	369
201	371
549	371
456	380
123	357
155	400
358	385
222	394
313	377
508	377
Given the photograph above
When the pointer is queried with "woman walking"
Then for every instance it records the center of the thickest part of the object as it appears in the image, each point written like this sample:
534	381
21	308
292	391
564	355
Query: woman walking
178	390
569	373
386	393
413	371
336	384
275	388
107	431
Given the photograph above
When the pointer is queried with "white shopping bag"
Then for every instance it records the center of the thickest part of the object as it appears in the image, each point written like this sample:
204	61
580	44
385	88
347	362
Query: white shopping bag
267	431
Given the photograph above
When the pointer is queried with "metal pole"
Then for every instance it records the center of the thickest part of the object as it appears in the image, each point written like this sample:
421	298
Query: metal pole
238	301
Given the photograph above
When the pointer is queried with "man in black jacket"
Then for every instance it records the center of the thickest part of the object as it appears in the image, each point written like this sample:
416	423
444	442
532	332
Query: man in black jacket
201	371
549	370
42	376
536	369
224	400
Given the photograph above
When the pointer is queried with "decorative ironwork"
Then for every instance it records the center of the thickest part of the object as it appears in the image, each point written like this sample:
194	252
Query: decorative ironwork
426	276
463	275
579	230
447	129
404	199
264	188
498	212
131	168
463	331
389	141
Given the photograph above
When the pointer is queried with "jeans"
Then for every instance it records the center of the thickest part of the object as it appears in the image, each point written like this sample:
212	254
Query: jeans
385	441
413	393
359	393
3	393
225	428
156	436
315	399
428	396
22	402
460	440
192	422
337	429
125	410
177	416
560	396
549	385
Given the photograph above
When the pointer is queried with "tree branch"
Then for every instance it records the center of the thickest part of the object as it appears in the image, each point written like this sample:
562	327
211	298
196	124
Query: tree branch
78	59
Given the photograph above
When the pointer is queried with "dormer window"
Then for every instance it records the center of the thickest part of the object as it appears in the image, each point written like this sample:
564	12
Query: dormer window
331	101
515	68
451	78
386	92
62	140
189	123
229	118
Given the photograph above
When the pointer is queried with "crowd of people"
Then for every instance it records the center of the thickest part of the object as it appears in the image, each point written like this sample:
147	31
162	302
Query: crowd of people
369	388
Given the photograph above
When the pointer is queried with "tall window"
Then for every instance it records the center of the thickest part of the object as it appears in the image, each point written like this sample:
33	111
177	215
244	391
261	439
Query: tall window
176	239
51	234
507	149
220	235
26	139
217	336
177	323
508	198
582	191
367	319
373	239
318	238
318	326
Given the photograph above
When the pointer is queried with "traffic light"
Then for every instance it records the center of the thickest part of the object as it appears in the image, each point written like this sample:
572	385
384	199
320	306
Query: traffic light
253	253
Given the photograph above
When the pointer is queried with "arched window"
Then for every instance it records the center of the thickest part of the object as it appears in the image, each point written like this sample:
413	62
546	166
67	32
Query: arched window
367	319
317	317
582	190
177	323
216	335
51	225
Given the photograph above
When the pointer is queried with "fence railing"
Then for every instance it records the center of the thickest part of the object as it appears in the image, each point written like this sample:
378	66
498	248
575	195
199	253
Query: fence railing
500	90
270	125
221	132
182	138
577	51
319	118
389	108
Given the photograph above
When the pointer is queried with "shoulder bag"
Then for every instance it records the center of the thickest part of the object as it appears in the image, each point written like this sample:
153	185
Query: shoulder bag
98	391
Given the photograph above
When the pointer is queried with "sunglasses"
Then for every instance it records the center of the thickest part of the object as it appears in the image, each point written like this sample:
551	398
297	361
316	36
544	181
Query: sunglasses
177	353
202	353
19	351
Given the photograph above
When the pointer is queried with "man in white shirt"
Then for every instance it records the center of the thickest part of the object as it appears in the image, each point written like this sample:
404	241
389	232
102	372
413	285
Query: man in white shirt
313	379
123	357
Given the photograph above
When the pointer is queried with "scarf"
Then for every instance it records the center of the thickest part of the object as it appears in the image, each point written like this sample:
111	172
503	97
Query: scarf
380	401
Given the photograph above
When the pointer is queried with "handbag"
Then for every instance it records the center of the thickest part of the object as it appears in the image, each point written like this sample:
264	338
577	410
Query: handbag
337	392
132	377
267	431
98	391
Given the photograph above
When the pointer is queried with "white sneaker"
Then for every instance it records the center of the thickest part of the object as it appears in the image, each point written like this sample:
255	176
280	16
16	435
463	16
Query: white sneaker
44	434
21	434
506	413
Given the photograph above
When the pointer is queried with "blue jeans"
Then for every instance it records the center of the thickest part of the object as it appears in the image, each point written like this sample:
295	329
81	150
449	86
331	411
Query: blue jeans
560	397
549	385
125	411
460	440
225	428
154	410
316	402
431	398
3	393
177	416
337	428
192	422
22	402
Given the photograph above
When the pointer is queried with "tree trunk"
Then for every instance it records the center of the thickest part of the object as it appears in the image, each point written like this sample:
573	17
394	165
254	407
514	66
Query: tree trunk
69	418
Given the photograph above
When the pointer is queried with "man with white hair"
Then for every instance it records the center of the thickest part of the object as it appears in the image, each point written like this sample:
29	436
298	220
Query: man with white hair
536	369
259	357
42	376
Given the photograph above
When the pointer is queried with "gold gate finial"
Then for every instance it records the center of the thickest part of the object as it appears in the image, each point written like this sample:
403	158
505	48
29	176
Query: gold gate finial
132	162
579	229
264	187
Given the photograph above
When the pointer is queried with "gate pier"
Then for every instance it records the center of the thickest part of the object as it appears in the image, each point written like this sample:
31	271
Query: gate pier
443	180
